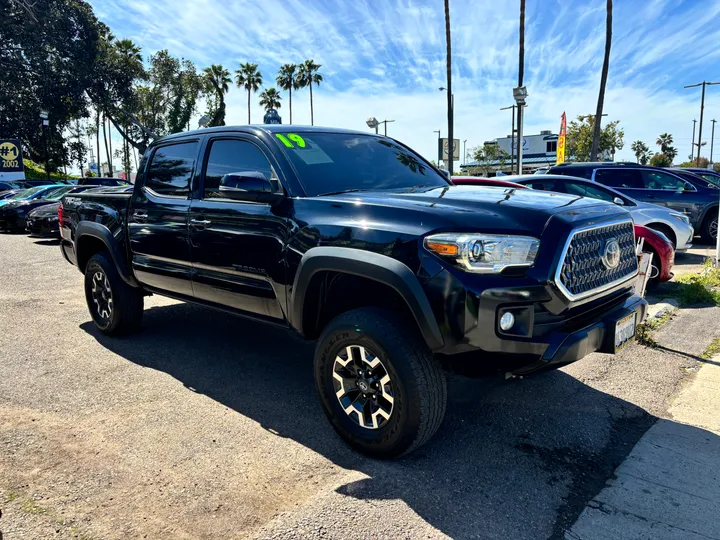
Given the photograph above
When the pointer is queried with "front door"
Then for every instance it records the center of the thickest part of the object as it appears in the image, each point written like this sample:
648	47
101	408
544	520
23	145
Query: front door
157	219
238	246
673	192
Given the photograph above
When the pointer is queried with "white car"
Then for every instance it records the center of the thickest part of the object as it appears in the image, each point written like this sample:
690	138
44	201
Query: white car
674	225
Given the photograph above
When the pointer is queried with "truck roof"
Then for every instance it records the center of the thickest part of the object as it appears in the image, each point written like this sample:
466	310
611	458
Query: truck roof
268	128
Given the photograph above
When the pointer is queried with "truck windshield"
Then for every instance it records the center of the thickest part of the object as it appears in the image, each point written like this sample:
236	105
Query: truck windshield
341	162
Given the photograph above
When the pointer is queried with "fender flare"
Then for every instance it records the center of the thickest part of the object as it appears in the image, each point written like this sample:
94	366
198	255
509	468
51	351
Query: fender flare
102	233
712	208
375	266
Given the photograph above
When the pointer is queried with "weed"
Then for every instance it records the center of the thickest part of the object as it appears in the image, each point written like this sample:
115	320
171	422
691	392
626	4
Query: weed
29	506
712	349
696	289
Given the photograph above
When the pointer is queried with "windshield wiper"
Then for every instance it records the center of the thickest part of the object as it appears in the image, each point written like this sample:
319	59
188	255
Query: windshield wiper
341	191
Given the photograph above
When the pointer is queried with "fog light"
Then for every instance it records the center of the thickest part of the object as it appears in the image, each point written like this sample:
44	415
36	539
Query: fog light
507	321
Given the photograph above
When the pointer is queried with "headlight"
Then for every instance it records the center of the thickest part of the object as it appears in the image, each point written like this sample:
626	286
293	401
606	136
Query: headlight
682	217
485	253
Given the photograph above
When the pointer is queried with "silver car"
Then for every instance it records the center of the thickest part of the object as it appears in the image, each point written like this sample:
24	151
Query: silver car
674	225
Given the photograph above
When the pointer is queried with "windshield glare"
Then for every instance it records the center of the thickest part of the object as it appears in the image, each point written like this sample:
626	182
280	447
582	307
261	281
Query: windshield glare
333	162
56	194
25	194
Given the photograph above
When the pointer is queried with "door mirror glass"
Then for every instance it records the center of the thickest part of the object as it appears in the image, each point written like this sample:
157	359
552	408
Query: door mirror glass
619	201
688	187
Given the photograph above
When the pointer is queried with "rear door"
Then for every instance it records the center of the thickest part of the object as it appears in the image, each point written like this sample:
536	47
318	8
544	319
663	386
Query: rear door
238	246
674	192
158	219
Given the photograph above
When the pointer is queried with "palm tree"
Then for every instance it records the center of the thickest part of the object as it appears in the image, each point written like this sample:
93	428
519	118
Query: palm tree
129	50
270	99
307	76
665	141
218	79
249	77
287	80
639	148
603	83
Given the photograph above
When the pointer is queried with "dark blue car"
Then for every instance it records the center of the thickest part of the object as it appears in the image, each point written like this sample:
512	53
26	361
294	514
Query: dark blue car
686	193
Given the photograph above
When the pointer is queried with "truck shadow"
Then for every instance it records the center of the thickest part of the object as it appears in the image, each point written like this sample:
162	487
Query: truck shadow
513	459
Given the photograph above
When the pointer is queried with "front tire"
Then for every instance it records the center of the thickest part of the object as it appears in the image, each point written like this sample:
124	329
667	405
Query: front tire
379	384
115	307
710	227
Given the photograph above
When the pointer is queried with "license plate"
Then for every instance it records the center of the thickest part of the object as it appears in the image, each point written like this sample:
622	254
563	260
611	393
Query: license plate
624	330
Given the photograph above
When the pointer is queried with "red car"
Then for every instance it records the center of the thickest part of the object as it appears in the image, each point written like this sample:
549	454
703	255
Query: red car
663	253
480	181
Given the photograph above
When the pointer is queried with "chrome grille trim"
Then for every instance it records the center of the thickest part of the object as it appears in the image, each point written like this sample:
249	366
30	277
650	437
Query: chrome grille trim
605	286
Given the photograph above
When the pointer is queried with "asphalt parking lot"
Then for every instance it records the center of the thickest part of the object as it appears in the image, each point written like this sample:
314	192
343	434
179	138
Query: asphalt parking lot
207	426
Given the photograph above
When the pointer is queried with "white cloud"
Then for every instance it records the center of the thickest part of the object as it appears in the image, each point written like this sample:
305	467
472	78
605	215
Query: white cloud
387	59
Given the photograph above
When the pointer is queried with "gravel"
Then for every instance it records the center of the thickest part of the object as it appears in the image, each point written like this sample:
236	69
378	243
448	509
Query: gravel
207	426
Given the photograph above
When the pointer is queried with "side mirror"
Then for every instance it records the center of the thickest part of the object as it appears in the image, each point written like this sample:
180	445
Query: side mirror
445	173
250	186
619	201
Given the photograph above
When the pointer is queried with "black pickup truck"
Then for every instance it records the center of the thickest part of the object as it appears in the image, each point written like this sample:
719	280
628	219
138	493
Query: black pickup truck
355	241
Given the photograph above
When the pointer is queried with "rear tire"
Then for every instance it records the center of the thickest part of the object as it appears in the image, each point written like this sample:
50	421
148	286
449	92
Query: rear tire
710	226
375	349
115	307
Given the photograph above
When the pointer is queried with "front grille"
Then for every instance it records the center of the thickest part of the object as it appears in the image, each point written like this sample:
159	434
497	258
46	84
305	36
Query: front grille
583	272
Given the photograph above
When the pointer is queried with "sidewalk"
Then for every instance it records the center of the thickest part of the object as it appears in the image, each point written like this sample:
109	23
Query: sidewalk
669	485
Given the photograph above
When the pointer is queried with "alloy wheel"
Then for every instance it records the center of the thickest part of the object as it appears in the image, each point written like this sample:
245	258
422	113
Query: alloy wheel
714	228
363	387
102	296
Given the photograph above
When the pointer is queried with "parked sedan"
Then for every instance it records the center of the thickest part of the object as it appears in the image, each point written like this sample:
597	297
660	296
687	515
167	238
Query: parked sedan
43	220
14	213
689	196
711	176
8	186
675	226
10	193
480	181
662	251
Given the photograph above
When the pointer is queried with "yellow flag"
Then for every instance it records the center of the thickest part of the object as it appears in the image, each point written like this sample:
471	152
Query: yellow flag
561	142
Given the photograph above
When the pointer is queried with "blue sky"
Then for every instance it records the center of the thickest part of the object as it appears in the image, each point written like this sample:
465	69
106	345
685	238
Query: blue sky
386	58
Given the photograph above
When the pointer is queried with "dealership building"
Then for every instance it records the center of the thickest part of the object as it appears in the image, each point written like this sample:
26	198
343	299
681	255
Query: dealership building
538	151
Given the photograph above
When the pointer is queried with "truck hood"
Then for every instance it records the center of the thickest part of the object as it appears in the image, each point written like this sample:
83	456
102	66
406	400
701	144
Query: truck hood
518	211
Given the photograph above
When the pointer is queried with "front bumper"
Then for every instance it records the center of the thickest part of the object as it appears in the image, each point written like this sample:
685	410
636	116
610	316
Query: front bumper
12	222
42	227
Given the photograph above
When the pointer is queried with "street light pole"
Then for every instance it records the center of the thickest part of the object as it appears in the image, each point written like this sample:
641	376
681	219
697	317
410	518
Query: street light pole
439	149
692	147
464	158
712	139
512	137
451	116
702	109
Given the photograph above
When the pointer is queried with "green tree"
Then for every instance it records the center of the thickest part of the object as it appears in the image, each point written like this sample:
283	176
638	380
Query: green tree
595	148
287	80
665	141
307	76
250	78
217	80
641	151
660	160
488	158
580	135
48	52
270	99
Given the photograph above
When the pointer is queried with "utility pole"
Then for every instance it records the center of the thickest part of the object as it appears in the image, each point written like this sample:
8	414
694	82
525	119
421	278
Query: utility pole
702	109
712	140
439	149
512	137
451	140
692	148
520	93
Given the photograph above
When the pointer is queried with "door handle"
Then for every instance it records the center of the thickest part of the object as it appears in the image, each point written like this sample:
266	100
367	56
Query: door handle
200	223
139	217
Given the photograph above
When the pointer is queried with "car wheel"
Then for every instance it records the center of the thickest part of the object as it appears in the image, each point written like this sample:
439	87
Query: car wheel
115	307
710	227
379	383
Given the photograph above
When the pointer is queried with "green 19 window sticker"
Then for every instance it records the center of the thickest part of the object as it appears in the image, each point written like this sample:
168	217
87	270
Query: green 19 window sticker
294	137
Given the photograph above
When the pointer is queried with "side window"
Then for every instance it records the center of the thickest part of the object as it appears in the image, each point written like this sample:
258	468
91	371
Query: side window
619	178
660	180
542	185
585	190
171	169
229	156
